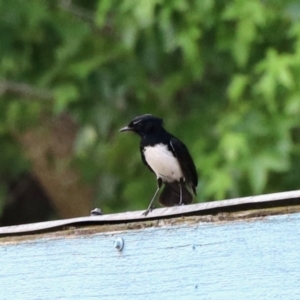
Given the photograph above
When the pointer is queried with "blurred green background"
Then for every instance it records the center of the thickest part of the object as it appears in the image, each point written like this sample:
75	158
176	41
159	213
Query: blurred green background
224	76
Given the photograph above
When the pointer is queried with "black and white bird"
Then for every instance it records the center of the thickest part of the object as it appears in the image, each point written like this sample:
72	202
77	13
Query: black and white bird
168	158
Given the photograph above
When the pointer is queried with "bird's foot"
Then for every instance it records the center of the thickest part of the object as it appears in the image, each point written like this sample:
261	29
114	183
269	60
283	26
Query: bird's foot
149	209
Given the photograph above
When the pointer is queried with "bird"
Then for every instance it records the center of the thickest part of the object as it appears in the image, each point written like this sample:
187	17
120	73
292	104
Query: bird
168	158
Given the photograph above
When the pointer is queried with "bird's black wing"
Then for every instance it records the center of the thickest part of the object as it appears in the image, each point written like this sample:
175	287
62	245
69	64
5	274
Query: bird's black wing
186	163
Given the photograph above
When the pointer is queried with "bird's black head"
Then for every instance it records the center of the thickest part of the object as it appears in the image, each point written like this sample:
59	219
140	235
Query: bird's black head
145	124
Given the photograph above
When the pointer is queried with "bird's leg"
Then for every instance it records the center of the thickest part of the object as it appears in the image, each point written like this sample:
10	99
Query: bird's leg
180	191
150	207
180	188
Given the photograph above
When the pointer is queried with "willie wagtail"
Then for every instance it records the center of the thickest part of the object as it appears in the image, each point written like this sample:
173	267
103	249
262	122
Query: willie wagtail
168	158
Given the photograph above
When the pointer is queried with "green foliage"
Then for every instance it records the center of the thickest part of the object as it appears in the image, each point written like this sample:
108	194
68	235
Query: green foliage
225	76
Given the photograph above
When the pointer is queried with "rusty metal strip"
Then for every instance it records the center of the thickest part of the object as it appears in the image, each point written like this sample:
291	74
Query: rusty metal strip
261	201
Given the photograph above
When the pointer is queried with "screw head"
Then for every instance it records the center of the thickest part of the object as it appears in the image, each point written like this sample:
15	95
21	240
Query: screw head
119	244
96	212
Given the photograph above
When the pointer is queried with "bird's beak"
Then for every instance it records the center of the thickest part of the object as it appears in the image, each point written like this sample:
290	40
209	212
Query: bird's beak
126	128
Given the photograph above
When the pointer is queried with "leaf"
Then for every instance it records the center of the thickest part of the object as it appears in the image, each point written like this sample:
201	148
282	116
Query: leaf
64	95
257	174
103	7
86	137
233	146
219	184
237	87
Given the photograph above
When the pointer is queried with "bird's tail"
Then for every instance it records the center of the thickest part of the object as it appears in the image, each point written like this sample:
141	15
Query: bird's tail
170	195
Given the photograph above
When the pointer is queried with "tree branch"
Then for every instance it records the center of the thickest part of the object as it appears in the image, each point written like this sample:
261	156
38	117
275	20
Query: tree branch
24	90
77	11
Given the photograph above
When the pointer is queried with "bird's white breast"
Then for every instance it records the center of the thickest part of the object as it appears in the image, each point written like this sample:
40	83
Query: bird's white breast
163	162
